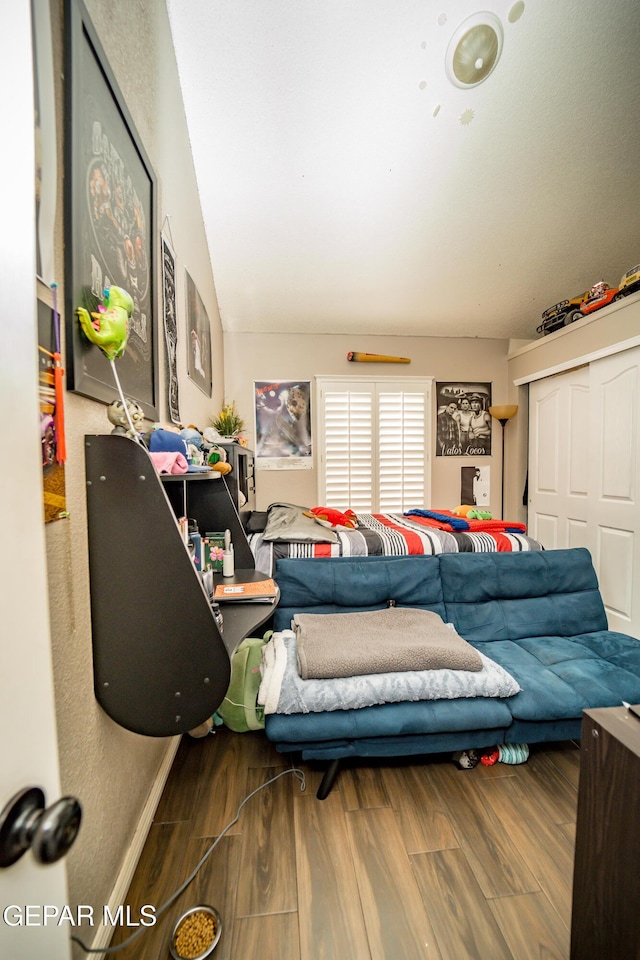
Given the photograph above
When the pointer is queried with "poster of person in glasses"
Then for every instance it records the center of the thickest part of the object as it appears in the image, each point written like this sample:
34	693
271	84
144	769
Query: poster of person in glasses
463	425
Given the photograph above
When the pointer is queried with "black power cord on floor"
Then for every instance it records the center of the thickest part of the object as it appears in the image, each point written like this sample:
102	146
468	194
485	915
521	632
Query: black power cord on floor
107	951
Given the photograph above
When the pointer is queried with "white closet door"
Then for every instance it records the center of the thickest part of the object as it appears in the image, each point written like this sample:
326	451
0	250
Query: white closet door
614	486
584	474
558	459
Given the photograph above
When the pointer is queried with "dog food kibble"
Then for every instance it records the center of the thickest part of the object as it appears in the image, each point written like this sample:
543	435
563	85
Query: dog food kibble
195	934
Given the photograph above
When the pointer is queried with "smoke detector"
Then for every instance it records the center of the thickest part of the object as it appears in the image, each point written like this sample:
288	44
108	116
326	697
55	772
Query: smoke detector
474	50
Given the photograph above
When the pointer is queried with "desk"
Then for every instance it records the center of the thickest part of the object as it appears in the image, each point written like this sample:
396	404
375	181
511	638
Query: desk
606	883
241	619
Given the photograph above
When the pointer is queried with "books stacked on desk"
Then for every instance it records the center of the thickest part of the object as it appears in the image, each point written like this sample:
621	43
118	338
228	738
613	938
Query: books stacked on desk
252	590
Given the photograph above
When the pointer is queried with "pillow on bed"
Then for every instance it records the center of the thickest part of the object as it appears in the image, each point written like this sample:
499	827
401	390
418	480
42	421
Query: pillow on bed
287	523
257	521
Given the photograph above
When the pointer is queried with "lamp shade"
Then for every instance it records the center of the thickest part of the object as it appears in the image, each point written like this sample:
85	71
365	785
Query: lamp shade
504	412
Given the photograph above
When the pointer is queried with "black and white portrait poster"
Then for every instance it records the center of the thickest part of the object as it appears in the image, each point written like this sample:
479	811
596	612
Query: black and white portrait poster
474	487
198	339
283	424
170	328
463	423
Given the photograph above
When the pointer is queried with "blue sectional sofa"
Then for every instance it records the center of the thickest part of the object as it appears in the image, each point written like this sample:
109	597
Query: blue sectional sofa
538	614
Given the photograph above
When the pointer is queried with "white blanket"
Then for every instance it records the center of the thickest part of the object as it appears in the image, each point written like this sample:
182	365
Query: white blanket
284	691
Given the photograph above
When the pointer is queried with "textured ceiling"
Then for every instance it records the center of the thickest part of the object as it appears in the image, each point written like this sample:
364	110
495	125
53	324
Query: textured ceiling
348	186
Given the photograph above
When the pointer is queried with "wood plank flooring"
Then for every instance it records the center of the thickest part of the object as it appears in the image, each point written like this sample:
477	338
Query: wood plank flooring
404	859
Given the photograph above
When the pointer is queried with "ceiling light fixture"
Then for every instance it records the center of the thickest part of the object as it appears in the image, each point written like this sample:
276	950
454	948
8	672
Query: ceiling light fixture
474	50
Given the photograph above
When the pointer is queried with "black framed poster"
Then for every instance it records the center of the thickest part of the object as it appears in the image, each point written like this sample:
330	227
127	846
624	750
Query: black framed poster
110	221
170	316
198	338
283	424
463	421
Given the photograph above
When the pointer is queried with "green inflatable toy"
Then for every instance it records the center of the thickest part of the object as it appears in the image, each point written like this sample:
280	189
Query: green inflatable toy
108	328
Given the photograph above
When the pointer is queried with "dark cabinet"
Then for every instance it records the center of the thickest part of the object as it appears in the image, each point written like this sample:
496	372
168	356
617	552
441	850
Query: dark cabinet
241	481
605	918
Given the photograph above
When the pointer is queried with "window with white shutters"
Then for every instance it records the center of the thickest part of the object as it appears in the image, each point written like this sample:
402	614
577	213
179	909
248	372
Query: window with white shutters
374	442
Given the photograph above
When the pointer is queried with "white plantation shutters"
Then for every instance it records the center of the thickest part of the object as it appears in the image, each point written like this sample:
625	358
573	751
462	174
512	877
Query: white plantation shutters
374	441
402	448
348	455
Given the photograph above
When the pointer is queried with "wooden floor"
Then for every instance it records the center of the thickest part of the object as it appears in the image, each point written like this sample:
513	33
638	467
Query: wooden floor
403	860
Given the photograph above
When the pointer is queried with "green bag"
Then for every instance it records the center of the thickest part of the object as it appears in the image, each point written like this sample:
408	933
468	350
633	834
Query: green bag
239	710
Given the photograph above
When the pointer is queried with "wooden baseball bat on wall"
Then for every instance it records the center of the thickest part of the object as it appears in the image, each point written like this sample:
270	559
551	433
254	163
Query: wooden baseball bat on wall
375	358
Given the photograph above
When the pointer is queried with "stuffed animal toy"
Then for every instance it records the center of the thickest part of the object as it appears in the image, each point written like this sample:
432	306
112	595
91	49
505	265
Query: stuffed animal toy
333	518
193	439
479	515
171	427
463	510
108	328
217	460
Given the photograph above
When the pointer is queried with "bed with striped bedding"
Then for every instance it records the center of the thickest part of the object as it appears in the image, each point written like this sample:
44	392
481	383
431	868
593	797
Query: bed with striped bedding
392	534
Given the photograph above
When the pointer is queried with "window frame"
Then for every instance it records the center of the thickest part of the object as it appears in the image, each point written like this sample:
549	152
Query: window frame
324	383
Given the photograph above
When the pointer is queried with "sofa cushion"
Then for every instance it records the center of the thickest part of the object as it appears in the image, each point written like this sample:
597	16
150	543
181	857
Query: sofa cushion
392	720
543	694
562	676
503	596
348	585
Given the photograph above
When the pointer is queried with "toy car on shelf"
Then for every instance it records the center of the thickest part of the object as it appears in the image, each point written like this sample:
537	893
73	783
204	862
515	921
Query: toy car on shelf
600	295
630	282
555	317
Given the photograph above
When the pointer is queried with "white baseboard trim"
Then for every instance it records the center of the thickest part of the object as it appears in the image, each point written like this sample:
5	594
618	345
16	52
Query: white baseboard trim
123	882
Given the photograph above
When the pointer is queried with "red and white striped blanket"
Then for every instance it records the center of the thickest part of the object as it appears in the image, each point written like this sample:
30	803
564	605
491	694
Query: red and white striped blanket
392	534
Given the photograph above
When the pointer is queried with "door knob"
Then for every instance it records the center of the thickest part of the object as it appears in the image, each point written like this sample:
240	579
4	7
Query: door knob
25	823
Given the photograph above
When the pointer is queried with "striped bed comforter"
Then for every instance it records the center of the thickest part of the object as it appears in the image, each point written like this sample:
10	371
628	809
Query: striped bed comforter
392	535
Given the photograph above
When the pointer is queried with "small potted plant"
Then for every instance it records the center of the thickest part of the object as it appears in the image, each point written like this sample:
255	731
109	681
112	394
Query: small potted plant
228	423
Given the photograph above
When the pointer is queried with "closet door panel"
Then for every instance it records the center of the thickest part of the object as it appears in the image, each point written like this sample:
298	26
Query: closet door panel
578	445
577	533
546	530
615	563
614	494
558	459
548	441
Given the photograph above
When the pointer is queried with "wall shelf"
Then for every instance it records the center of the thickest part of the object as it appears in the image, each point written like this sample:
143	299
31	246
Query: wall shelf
161	666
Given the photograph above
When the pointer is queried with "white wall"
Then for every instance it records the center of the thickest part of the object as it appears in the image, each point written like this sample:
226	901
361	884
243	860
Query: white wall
250	357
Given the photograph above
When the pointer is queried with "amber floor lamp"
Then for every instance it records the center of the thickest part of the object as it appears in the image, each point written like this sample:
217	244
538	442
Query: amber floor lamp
503	414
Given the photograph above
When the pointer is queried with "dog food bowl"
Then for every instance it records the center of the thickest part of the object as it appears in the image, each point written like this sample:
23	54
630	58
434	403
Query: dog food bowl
196	933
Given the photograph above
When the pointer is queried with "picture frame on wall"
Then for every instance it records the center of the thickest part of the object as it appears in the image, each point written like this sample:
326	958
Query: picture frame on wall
463	422
283	420
170	316
475	487
110	221
198	338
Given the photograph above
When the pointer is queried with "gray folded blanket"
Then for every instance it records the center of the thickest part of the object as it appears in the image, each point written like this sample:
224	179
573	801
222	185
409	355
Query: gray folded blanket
378	641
